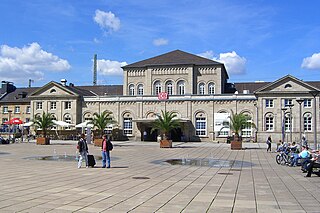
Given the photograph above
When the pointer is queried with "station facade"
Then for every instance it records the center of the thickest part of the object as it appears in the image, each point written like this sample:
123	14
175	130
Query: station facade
198	93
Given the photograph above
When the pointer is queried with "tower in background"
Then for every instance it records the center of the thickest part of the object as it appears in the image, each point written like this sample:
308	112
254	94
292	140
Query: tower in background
95	69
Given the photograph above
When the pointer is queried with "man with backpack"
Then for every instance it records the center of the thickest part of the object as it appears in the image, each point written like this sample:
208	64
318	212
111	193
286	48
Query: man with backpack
105	151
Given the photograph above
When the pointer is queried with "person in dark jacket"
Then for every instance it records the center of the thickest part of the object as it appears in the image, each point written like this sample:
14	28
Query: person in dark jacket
83	151
105	152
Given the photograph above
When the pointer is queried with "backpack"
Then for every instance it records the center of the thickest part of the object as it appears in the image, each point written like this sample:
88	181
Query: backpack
109	145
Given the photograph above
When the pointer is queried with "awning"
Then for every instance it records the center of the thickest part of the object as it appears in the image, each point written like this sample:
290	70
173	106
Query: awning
84	125
62	123
27	124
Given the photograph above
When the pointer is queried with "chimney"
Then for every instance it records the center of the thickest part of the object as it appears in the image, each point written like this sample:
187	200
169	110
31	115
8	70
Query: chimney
64	82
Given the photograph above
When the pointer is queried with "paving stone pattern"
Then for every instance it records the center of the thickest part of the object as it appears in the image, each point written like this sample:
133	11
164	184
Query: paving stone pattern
140	181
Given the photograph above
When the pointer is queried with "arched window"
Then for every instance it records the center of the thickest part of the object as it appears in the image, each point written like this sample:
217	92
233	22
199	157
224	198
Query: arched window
201	89
307	122
157	88
140	89
211	88
247	129
201	124
169	87
131	89
127	124
87	117
181	88
269	122
53	91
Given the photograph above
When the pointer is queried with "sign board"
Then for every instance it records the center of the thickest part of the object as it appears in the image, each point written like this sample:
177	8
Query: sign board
163	96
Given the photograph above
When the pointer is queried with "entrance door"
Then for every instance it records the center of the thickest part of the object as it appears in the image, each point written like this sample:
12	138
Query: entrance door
151	136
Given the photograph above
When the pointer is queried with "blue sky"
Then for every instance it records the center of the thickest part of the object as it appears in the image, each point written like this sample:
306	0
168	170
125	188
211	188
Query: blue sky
257	40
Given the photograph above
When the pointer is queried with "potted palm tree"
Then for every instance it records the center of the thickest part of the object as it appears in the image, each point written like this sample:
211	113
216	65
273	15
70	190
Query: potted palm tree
165	123
237	123
43	122
101	121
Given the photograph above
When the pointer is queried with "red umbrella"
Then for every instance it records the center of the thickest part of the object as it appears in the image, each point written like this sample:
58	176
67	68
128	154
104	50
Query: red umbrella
14	121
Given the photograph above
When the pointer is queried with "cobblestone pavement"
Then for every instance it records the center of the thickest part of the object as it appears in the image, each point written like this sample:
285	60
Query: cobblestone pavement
140	181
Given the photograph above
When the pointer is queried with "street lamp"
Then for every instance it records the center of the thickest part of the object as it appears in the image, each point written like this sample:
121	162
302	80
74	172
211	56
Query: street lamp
300	125
290	107
314	95
257	120
283	124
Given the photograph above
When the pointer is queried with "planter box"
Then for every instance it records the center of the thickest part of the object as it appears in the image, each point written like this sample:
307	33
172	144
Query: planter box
236	145
98	142
166	144
43	141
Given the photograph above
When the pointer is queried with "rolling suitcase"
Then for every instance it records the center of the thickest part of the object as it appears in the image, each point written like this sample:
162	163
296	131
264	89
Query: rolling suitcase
91	161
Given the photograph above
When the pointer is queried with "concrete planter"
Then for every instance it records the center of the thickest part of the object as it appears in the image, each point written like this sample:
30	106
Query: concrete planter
236	145
98	142
43	141
166	144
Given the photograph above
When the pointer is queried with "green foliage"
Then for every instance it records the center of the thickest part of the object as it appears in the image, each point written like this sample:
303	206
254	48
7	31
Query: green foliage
43	122
101	121
240	121
166	122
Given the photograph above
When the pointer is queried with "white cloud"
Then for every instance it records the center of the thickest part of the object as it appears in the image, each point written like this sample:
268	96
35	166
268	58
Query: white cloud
28	62
312	62
107	67
107	20
160	42
234	63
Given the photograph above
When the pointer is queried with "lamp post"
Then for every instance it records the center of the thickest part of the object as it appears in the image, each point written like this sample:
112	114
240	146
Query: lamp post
290	107
300	125
283	124
314	95
257	125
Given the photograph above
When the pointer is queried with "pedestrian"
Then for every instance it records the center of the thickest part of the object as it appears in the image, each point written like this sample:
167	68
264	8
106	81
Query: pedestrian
269	141
83	150
105	151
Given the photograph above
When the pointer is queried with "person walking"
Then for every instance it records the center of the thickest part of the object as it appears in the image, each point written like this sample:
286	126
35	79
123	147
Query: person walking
269	141
105	152
83	150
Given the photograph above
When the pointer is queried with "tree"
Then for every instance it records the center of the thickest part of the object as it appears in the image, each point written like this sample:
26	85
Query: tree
238	122
43	122
101	121
165	123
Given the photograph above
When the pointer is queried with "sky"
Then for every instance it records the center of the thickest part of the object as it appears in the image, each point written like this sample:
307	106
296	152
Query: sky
257	40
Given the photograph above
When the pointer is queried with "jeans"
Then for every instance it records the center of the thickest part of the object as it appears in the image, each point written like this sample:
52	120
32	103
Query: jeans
105	159
294	160
83	155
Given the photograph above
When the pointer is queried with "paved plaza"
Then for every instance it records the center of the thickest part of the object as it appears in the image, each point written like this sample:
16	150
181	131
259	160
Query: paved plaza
141	181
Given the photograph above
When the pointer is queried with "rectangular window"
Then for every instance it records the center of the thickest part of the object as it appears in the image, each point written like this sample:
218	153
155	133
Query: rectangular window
269	103
307	124
287	124
17	109
5	110
67	105
53	105
38	105
287	102
269	123
307	103
201	126
28	110
127	126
